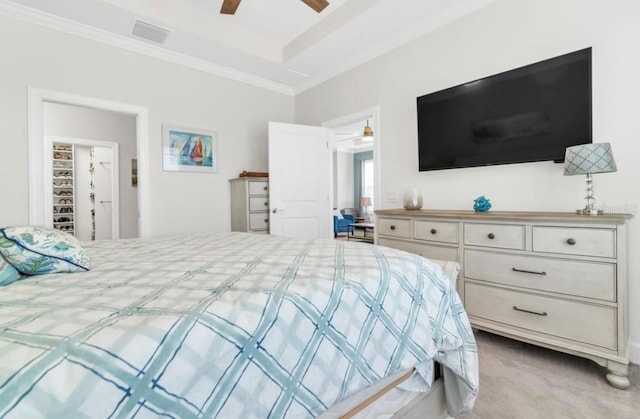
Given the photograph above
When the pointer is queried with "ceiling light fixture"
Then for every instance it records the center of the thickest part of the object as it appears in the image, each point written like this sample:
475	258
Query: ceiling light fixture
367	134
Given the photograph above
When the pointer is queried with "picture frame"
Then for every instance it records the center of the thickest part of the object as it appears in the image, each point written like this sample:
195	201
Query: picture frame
186	149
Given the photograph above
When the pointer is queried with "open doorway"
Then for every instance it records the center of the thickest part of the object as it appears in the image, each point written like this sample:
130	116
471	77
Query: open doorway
87	131
40	156
355	167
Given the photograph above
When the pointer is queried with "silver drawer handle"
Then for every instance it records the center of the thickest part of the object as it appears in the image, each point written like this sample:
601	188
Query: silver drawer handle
266	203
571	241
528	272
544	313
491	236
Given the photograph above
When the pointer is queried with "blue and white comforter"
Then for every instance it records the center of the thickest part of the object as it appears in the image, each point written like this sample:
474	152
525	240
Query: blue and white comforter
228	325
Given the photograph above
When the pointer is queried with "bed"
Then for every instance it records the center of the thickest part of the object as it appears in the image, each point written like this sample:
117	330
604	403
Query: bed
233	325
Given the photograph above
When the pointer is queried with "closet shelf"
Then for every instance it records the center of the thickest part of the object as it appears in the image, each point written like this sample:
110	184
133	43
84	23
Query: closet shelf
62	157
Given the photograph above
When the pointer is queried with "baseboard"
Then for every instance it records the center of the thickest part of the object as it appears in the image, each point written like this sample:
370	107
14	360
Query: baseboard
634	354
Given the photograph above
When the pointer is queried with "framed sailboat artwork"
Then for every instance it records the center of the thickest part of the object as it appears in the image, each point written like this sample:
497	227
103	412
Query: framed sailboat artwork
189	149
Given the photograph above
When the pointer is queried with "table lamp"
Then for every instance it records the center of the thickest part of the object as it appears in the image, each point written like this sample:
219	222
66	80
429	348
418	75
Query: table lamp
364	203
587	159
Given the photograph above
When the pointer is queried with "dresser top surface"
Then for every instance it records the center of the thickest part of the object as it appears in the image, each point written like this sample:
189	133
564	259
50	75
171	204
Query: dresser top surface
507	215
249	179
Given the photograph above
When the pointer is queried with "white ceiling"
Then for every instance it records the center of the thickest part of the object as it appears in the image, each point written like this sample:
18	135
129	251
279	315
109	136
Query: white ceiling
279	44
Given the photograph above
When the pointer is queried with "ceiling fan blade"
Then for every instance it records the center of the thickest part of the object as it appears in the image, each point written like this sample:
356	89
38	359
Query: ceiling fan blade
317	5
229	7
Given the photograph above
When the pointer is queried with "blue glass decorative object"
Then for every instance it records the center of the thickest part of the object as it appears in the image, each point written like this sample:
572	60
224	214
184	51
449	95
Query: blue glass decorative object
481	204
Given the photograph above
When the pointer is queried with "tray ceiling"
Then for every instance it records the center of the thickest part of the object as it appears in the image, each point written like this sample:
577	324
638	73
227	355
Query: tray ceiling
279	44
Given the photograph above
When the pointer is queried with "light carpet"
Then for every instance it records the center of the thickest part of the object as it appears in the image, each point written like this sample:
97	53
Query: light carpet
518	380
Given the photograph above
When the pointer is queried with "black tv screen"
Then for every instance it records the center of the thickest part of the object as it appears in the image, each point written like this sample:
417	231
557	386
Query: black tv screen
532	113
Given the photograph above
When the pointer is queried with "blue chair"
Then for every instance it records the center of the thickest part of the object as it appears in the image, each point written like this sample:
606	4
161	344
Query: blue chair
341	225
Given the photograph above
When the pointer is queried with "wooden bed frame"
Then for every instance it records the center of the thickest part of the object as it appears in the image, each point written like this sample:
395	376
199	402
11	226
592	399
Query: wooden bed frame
432	405
428	405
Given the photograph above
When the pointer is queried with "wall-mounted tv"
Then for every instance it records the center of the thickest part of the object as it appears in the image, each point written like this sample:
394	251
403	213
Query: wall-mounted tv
532	113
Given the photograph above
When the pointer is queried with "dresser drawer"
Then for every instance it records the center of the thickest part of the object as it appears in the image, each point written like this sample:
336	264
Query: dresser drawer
259	221
586	323
570	277
258	187
259	203
575	241
437	231
494	235
394	227
425	250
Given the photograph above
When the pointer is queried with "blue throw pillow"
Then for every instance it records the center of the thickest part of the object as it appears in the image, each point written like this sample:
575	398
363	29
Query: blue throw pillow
8	273
39	250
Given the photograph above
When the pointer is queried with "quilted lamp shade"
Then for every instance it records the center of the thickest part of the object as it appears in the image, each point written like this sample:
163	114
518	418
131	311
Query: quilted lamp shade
587	159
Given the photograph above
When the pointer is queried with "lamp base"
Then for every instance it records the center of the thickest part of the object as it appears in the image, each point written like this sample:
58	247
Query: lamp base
589	211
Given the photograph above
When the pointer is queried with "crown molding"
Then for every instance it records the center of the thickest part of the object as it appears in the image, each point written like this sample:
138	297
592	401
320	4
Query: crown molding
57	23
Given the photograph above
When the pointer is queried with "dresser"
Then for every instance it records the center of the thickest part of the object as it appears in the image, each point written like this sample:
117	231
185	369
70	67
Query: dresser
250	204
557	280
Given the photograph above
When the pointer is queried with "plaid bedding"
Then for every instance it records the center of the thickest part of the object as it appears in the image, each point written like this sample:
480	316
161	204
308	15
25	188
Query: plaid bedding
229	325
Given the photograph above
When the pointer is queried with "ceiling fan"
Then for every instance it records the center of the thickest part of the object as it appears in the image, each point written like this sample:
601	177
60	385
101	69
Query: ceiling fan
229	6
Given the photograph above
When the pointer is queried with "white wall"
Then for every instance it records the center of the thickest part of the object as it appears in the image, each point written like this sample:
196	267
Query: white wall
180	202
343	179
504	35
93	124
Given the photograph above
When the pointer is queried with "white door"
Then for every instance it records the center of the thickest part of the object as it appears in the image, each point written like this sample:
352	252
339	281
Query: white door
299	181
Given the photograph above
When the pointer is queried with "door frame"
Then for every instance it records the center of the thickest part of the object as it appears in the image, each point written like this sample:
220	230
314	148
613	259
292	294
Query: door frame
115	178
373	114
36	98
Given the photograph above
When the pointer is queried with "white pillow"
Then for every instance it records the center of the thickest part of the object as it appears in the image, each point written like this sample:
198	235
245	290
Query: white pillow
337	213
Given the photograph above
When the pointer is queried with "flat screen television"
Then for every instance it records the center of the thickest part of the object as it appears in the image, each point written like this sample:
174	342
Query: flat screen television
531	113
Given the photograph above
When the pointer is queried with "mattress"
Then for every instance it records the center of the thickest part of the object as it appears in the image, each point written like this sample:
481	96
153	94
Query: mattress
198	325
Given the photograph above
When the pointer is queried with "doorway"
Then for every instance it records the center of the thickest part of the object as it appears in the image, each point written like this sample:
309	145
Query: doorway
81	127
302	172
356	162
39	158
